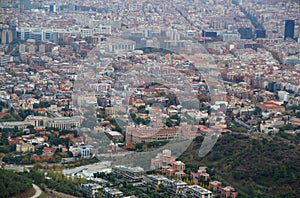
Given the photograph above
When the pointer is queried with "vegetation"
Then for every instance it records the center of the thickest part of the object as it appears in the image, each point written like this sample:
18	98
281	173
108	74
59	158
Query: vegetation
139	120
55	180
234	126
27	159
12	183
3	105
255	164
26	112
144	146
81	162
7	148
41	105
173	120
294	107
252	18
150	50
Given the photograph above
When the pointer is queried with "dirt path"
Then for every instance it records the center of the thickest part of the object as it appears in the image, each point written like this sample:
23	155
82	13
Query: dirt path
38	191
54	194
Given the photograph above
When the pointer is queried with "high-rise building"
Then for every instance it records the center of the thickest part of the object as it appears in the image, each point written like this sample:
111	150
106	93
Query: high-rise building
5	59
3	3
209	33
52	8
246	33
6	36
260	33
231	36
289	29
25	4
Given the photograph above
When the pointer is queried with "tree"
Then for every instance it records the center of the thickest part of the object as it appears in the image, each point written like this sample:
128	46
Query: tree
24	113
145	147
37	166
12	183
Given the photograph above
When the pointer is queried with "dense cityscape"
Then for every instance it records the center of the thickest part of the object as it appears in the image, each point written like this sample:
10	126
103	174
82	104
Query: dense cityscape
149	98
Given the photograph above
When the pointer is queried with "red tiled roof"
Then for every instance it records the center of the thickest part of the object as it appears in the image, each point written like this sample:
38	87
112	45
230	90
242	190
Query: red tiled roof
47	150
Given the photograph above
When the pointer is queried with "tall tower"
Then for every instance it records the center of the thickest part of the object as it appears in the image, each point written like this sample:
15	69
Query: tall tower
289	29
52	8
6	36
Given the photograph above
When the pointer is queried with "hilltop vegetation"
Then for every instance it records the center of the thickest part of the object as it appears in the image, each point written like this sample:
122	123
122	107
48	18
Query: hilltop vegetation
257	165
150	50
12	183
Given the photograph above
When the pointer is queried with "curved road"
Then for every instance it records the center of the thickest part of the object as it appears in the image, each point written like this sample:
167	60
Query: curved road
38	191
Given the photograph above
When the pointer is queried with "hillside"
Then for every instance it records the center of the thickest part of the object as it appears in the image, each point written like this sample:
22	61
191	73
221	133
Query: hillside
150	50
257	165
11	183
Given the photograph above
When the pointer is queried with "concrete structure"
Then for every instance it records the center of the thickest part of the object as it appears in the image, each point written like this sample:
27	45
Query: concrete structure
24	148
114	135
57	122
144	134
84	151
289	29
231	36
6	36
154	180
215	185
162	159
229	191
177	187
178	166
116	45
111	193
52	8
90	190
134	174
198	191
52	34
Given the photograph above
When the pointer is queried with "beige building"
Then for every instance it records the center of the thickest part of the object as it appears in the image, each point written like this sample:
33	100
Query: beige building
144	134
6	36
57	122
64	122
25	148
37	121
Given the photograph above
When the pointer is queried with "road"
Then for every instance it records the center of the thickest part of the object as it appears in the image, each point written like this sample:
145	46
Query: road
38	191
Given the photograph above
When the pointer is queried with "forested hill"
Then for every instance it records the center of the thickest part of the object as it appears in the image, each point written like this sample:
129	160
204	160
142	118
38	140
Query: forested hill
257	165
12	183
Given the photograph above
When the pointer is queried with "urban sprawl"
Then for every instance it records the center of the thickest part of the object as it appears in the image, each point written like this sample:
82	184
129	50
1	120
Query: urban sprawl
106	90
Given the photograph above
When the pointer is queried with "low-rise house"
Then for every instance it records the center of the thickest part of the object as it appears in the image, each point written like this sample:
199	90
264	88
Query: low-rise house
178	166
48	151
215	185
295	122
162	159
229	191
179	174
200	174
